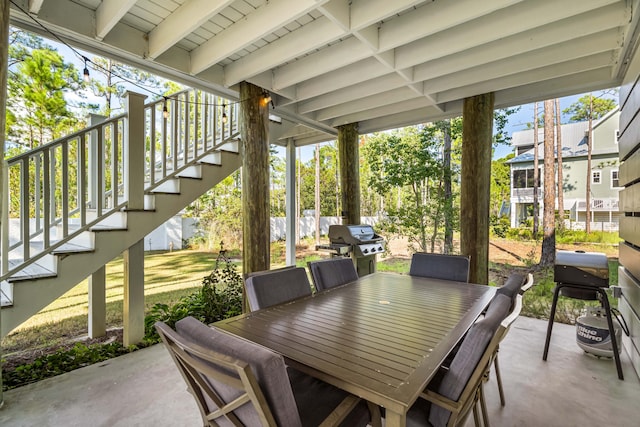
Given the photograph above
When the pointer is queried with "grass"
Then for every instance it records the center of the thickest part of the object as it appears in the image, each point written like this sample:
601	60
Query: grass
168	277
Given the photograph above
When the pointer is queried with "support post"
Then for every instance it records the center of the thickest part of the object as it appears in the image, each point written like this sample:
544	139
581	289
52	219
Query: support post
254	133
348	150
4	55
133	304
97	303
133	155
290	203
477	133
94	183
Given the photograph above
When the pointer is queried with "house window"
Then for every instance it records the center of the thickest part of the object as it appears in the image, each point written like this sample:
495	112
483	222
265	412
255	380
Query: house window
596	177
615	181
523	178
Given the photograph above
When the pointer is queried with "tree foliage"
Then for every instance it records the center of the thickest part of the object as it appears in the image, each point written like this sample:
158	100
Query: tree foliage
579	110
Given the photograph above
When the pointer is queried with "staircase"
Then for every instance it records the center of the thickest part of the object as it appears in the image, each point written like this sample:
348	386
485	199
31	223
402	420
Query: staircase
87	197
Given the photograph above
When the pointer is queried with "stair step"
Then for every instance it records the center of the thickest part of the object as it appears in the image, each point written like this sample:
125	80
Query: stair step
108	227
31	272
212	159
194	172
231	146
171	186
70	248
6	294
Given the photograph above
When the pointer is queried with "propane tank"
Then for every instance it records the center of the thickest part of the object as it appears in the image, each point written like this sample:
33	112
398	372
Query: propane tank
592	332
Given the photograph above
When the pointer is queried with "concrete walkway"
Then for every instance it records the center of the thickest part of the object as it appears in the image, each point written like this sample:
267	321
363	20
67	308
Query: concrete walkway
145	389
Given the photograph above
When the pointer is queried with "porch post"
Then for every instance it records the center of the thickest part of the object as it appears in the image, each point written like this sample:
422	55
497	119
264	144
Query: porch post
133	155
133	304
97	303
477	133
290	203
94	183
254	133
4	54
349	172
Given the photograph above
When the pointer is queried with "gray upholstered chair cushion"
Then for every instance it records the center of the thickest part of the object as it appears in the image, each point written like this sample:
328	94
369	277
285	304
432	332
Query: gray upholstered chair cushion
267	289
512	286
332	272
268	367
439	266
466	359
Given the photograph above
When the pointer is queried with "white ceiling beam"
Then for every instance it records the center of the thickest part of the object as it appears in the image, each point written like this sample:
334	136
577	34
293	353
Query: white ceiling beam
590	23
435	17
109	13
370	37
503	24
35	5
557	87
312	36
524	62
263	21
326	60
372	113
338	12
369	12
409	118
350	93
183	21
366	103
534	75
359	72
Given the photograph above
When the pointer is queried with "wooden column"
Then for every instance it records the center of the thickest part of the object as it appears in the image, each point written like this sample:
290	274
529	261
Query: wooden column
349	173
98	303
477	136
254	132
4	55
290	202
133	300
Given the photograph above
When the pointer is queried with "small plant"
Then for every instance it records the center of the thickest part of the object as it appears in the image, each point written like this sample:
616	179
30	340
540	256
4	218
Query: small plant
219	297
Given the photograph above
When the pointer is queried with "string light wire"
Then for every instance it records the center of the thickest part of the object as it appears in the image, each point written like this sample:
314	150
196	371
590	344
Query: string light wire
264	97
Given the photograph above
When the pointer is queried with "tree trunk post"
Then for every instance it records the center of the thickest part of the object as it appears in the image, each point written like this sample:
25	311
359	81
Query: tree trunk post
4	54
254	133
536	173
548	256
477	137
559	160
448	194
349	173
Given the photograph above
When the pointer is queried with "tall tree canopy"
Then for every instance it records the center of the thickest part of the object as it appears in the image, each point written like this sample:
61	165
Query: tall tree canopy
579	110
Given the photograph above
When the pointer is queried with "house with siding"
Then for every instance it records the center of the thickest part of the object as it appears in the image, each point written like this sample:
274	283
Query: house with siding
603	175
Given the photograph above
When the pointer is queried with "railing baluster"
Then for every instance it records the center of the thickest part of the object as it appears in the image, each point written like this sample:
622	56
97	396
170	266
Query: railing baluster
99	167
46	174
4	210
174	139
65	188
163	138
24	207
36	193
187	130
152	147
115	165
82	182
196	128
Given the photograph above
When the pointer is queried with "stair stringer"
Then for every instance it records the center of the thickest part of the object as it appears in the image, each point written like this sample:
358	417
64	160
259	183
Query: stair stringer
31	296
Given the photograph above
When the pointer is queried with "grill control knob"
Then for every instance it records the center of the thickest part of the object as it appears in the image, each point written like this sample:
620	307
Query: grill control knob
366	251
379	248
373	249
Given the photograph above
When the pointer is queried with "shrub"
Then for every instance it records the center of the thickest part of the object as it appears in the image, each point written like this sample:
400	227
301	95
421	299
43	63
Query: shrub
219	297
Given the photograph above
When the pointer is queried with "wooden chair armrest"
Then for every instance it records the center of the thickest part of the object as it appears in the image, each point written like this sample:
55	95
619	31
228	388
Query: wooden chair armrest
438	399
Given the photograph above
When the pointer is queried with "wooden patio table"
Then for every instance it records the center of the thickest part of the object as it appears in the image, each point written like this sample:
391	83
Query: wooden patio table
382	337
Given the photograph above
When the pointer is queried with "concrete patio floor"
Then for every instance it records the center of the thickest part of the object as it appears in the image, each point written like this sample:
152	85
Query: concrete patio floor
145	389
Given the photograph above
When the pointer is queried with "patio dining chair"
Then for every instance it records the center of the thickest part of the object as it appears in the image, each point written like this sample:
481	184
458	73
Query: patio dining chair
460	390
440	266
332	272
239	383
516	284
275	287
516	308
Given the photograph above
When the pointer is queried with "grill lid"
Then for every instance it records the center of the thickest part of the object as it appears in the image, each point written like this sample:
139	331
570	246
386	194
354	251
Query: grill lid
353	234
581	268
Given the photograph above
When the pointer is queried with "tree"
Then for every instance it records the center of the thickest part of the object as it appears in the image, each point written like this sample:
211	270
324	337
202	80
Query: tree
549	237
558	116
409	159
536	171
589	106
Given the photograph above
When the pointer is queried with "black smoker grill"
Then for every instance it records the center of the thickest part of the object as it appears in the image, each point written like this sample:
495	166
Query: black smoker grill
582	275
360	242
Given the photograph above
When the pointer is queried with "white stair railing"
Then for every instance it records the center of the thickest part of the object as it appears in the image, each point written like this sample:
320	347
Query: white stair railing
59	190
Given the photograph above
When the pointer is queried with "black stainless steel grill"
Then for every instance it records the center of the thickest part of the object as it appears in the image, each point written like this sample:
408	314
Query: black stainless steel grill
360	242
